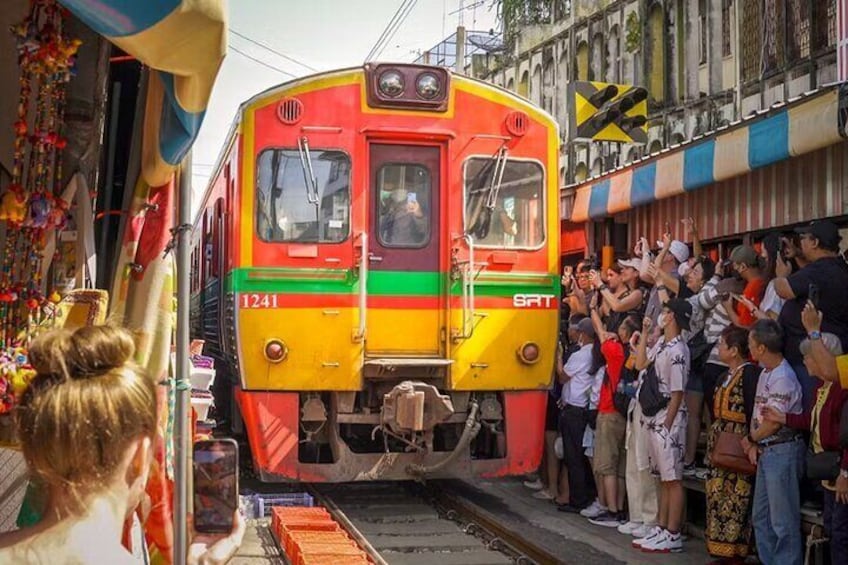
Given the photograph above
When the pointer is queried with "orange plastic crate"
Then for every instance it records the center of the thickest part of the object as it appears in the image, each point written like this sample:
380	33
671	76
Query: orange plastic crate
311	559
341	552
295	538
284	533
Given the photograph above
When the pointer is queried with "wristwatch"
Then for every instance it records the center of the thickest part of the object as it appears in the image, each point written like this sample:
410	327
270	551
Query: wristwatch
814	334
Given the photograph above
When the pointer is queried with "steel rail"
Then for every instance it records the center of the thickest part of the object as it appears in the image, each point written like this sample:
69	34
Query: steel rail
340	517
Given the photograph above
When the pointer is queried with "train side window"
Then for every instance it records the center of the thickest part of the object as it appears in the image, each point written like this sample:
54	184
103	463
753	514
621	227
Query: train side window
404	205
286	208
517	217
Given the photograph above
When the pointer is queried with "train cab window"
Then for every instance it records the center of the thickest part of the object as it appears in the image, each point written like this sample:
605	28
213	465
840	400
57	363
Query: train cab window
289	210
504	210
404	205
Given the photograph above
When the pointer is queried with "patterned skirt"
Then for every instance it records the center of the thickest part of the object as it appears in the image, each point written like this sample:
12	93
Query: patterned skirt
729	499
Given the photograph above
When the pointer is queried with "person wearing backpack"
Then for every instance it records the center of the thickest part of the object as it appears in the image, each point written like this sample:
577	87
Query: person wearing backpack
609	454
664	417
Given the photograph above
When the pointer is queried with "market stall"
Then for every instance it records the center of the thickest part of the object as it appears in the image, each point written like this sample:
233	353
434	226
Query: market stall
181	43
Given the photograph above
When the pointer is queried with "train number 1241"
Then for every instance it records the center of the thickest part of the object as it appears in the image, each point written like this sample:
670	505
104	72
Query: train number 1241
258	300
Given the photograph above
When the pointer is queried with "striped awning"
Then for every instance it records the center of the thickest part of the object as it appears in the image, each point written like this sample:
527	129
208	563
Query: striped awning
786	130
185	41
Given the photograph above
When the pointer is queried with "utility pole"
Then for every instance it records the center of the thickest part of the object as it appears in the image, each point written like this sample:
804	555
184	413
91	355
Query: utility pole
460	50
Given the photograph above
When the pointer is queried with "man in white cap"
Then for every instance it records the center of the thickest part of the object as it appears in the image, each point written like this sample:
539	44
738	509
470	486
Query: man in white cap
673	254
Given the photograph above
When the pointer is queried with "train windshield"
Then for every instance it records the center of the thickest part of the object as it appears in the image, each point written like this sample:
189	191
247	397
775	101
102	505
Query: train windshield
287	211
516	218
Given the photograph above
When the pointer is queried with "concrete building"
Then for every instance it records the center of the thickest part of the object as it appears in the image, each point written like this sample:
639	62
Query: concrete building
709	66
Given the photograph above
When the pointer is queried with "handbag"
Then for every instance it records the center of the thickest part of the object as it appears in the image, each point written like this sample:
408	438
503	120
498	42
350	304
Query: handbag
650	398
728	454
823	466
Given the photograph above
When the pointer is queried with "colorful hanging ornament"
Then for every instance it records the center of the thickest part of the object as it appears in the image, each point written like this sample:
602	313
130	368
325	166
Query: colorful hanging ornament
29	204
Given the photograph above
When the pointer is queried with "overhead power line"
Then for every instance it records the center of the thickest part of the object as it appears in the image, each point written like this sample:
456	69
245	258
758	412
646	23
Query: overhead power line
272	50
261	62
391	28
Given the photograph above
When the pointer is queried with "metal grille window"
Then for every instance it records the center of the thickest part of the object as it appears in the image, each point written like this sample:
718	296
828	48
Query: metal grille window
726	44
751	39
824	18
773	37
797	30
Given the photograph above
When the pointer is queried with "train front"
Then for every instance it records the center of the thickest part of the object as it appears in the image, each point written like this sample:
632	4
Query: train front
395	290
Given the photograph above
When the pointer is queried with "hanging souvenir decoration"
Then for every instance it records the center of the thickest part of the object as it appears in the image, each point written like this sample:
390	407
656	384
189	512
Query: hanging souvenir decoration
29	204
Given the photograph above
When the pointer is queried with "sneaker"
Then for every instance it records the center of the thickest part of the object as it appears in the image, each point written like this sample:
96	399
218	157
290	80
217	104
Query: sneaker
629	527
664	543
701	474
642	531
543	495
648	537
568	508
534	485
608	519
689	470
593	510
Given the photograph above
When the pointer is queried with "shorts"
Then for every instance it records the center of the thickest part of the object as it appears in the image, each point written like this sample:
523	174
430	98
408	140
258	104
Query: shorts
610	457
695	382
666	448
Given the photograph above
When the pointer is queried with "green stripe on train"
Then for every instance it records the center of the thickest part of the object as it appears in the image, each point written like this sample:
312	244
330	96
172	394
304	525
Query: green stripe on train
383	283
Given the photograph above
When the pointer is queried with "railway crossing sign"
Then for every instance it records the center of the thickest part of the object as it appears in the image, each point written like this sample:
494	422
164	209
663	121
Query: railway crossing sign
601	111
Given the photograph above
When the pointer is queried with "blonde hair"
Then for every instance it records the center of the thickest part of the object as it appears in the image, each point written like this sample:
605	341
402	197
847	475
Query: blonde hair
85	406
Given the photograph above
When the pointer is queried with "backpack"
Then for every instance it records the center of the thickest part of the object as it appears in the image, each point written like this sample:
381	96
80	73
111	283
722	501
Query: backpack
651	399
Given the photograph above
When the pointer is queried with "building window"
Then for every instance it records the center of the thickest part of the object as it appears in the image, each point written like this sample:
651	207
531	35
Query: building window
798	30
825	24
702	31
751	39
726	42
773	29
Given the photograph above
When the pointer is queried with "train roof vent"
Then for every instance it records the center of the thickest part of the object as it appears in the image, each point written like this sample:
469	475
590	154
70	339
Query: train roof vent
290	111
517	123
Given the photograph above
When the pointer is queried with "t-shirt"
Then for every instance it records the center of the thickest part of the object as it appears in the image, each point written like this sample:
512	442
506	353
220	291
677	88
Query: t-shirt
595	394
613	352
772	302
671	361
578	388
754	292
780	389
830	274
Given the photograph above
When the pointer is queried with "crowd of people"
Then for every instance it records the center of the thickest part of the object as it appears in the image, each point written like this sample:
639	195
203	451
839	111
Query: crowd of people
664	344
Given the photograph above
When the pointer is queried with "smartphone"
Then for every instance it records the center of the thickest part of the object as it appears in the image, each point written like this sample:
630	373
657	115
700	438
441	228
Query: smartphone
813	295
411	197
667	227
782	248
215	485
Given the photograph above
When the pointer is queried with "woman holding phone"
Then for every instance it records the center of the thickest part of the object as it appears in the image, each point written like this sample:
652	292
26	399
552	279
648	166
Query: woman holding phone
86	425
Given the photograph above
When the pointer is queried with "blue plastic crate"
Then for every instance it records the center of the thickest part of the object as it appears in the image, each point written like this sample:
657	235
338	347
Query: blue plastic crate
262	503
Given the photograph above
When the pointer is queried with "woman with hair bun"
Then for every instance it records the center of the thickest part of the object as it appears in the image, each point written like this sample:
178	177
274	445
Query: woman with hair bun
86	426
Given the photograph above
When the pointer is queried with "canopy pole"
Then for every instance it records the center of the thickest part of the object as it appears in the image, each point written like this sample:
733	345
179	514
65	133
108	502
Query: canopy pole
182	432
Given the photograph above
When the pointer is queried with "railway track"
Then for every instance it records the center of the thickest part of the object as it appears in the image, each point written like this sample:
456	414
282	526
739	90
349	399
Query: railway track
411	524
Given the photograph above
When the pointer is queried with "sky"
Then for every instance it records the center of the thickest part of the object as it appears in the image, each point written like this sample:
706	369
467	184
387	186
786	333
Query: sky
323	34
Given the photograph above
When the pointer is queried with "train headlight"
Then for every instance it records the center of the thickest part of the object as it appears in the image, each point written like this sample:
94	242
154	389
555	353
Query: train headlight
528	353
428	86
391	83
275	351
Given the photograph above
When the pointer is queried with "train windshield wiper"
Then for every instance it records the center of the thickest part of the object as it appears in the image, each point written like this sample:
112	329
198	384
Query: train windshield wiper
489	194
308	172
